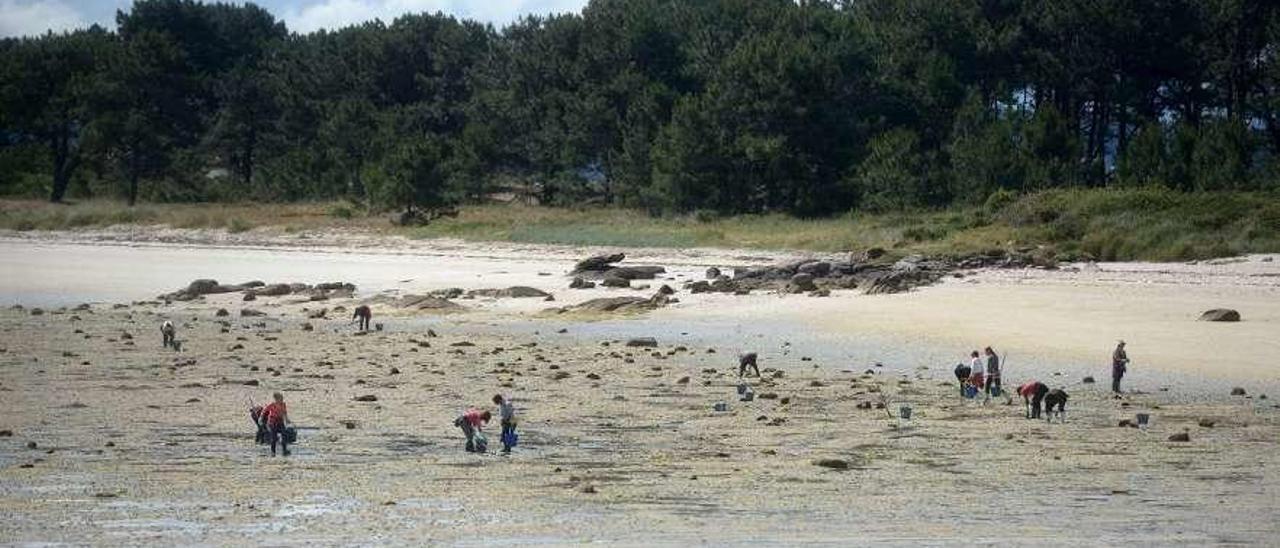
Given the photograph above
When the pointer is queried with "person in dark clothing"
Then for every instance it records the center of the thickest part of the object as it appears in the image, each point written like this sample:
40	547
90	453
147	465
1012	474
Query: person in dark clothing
362	314
745	361
1119	365
168	334
276	416
1032	394
962	375
1055	398
993	373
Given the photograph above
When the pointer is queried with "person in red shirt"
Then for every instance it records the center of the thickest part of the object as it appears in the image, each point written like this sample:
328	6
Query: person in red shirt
471	422
276	417
1032	394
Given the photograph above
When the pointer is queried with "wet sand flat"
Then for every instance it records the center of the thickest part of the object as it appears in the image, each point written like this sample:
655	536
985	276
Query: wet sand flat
136	444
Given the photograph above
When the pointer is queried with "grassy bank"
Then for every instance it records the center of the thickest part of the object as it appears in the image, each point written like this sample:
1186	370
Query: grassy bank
1146	224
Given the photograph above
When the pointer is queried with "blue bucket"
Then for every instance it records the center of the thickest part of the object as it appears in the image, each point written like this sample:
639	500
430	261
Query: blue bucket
970	391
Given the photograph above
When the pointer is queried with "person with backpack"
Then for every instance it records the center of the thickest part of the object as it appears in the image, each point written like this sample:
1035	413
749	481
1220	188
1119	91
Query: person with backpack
1119	365
507	418
471	422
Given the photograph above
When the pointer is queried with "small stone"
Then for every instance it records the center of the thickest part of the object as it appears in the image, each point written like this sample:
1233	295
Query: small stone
1181	436
1206	423
683	380
834	464
222	312
1088	380
366	397
643	342
1237	391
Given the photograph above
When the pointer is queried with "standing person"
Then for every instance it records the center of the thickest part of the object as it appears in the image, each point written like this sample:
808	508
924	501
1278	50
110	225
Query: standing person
168	334
507	416
471	422
276	417
1119	365
977	371
363	314
993	372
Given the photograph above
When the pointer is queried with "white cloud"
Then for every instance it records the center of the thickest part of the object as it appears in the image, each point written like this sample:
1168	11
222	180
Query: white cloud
35	17
334	14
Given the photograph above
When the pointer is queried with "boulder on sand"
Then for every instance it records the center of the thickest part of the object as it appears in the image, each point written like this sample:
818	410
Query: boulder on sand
517	292
598	263
579	283
802	283
643	342
713	273
274	290
635	272
613	281
1220	315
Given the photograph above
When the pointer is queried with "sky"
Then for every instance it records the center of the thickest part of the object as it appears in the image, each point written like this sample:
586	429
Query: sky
32	17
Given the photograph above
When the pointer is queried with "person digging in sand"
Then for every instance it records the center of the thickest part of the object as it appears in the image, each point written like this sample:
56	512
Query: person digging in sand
362	314
471	422
168	334
745	361
1032	394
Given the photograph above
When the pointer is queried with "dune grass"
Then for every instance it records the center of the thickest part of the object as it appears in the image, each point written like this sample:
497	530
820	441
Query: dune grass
1105	224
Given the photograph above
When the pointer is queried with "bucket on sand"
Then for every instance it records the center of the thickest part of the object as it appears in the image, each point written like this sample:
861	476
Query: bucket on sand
747	396
742	388
904	412
970	391
721	406
1144	420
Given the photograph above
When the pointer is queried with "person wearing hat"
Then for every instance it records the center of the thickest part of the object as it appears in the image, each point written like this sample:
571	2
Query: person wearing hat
1119	364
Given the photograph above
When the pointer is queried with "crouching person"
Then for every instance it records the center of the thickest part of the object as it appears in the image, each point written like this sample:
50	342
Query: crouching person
962	375
1055	399
507	416
276	418
1032	394
471	423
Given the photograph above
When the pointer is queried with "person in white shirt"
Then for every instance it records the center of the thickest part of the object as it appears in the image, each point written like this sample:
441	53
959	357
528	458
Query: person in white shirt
977	371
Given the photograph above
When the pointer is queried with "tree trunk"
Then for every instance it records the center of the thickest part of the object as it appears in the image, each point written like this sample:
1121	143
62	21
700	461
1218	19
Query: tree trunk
62	166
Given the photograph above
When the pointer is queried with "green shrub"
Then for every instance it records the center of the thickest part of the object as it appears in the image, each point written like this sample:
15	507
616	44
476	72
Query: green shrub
999	200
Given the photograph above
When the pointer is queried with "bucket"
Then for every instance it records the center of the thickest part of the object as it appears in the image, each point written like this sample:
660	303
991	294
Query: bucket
742	389
905	412
721	406
747	396
1144	420
995	391
970	391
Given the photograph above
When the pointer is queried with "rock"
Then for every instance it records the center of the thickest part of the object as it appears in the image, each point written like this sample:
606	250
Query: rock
1220	315
802	283
274	290
834	464
579	283
618	304
6	433
635	272
249	296
699	287
871	254
202	286
1181	436
1237	391
713	273
222	313
32	445
336	286
251	313
37	311
817	269
683	380
306	326
463	343
366	398
516	292
393	371
614	281
666	290
598	263
1206	423
1088	380
643	342
250	382
820	293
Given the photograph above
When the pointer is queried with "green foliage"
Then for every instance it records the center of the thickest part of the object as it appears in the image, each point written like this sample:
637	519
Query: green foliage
728	107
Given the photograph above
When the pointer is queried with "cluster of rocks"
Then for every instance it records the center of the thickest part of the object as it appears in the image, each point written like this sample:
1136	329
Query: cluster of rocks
253	290
602	268
818	277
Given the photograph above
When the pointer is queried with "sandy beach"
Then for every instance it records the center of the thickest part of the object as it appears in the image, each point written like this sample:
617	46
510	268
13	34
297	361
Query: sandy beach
112	439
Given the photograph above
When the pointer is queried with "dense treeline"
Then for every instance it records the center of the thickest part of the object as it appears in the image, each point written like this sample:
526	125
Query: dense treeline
731	106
